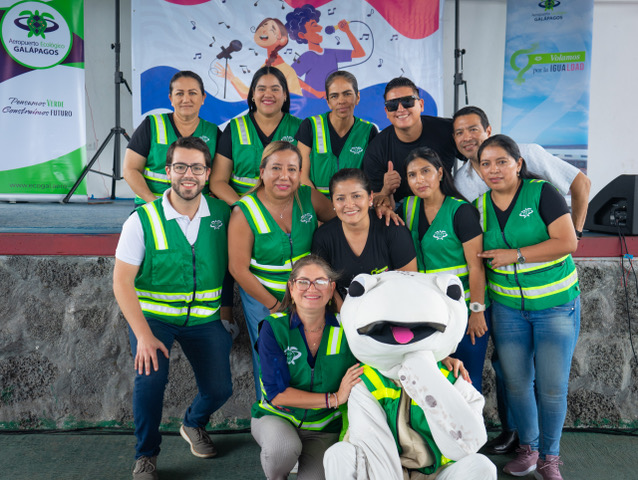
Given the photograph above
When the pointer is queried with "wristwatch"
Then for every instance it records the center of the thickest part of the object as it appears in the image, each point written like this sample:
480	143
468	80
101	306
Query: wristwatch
520	258
477	307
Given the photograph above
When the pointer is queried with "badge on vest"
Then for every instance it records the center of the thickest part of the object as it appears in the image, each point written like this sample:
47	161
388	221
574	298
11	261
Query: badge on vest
440	234
356	150
292	354
205	138
526	213
306	218
287	138
216	224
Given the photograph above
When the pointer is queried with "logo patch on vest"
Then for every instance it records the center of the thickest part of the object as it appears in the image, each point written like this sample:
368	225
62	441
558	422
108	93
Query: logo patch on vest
440	234
526	213
379	270
356	150
205	138
216	224
292	354
288	138
306	218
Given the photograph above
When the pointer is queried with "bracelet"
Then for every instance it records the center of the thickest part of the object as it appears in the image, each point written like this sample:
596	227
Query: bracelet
336	400
276	302
327	400
579	234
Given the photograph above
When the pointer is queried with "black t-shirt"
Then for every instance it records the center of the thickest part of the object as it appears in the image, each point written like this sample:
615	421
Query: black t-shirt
436	134
225	146
305	136
387	248
466	223
552	205
140	141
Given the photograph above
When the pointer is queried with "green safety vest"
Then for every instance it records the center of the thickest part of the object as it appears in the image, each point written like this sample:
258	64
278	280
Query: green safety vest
531	286
178	283
333	359
274	251
389	395
323	163
247	149
162	136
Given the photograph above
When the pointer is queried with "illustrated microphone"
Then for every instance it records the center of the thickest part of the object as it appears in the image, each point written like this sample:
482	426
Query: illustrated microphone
235	46
330	29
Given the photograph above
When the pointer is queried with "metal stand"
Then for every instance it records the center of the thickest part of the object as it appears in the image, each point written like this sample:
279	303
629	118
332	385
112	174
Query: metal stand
458	61
117	130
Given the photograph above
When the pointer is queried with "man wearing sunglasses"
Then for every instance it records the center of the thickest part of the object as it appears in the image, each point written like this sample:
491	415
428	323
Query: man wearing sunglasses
169	266
384	160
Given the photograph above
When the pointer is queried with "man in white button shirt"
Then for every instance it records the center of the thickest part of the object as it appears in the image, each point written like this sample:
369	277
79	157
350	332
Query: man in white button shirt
169	267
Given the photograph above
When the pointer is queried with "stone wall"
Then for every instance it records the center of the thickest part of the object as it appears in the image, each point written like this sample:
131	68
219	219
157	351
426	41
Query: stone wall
65	361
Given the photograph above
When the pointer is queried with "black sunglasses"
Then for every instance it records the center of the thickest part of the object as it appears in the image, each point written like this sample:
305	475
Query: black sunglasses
406	102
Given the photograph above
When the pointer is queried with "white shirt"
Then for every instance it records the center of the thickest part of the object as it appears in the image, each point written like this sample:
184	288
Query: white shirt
539	161
131	247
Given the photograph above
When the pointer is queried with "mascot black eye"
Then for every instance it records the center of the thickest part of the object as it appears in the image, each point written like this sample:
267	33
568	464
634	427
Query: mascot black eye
356	289
454	291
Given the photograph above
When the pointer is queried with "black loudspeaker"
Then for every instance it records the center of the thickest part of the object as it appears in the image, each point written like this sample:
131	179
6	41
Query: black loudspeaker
615	205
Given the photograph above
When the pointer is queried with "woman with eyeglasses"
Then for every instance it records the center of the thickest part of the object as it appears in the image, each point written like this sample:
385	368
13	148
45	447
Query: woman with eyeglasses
356	241
533	283
271	229
145	156
336	139
448	237
307	373
237	163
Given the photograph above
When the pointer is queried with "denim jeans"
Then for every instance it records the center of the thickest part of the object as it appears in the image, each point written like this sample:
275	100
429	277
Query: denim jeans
473	356
207	348
254	312
536	348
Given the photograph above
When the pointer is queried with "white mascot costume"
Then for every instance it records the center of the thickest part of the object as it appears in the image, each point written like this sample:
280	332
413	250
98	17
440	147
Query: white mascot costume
409	418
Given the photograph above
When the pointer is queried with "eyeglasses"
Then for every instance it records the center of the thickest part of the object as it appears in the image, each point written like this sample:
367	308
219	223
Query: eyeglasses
303	284
196	168
406	102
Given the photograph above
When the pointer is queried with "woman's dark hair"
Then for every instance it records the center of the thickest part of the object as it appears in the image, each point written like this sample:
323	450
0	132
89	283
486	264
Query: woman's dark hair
187	74
284	33
286	303
429	155
347	76
511	148
297	19
349	174
252	106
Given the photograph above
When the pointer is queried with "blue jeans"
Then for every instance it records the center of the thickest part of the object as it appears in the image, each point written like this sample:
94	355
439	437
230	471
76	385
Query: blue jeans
207	348
473	356
254	312
536	348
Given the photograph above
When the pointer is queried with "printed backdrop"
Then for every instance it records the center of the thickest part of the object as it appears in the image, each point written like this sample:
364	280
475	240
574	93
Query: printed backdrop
376	40
547	75
42	114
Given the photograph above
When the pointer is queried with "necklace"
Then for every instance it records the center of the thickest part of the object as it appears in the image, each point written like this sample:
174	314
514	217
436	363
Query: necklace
281	214
318	329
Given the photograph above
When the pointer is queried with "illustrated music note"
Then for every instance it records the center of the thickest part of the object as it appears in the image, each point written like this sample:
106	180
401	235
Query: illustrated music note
380	62
194	24
402	72
255	4
296	59
371	12
338	40
224	23
365	36
245	69
197	56
331	11
212	43
254	51
394	37
282	4
288	50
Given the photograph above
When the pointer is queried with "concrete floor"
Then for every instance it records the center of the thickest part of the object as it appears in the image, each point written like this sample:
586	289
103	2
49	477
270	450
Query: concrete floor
97	456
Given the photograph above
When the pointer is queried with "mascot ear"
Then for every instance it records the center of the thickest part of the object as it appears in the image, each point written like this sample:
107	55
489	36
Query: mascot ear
451	285
361	284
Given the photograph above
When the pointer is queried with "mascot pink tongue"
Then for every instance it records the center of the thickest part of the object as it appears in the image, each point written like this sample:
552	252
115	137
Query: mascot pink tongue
402	335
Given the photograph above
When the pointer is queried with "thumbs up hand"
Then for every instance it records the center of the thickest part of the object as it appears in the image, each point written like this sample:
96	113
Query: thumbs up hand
391	180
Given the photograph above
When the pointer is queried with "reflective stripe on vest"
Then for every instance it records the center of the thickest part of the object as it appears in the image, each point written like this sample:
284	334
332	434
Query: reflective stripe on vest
244	181
527	267
410	210
159	235
539	291
206	296
334	340
160	128
242	129
320	134
279	286
256	214
316	425
166	310
156	177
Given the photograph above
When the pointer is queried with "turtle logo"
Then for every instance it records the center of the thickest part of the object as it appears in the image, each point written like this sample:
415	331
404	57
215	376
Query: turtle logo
526	213
36	23
306	218
292	354
216	224
356	150
205	138
440	234
549	4
287	138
